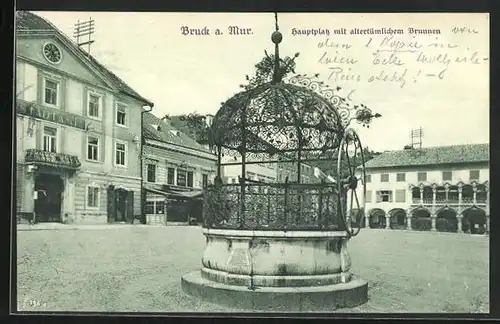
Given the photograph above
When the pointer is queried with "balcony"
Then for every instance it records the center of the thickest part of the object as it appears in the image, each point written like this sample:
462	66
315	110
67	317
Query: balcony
51	159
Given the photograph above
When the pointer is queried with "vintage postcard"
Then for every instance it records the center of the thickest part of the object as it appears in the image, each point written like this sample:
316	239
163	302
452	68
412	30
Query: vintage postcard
252	162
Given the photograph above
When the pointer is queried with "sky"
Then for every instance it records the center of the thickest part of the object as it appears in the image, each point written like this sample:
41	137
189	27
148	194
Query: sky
439	82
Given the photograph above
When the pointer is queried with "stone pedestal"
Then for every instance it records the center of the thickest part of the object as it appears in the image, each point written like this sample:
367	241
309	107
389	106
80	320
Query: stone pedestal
367	221
299	270
408	223
387	222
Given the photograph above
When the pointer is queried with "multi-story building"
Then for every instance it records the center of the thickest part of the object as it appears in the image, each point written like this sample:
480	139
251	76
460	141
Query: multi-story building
436	188
77	148
175	170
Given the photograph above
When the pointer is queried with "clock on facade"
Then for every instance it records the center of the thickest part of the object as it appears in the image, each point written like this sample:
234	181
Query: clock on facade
52	53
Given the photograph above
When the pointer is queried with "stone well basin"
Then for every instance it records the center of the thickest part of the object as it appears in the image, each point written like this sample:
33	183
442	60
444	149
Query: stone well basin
276	258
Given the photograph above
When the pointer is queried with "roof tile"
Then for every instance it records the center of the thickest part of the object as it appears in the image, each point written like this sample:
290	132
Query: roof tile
167	133
432	155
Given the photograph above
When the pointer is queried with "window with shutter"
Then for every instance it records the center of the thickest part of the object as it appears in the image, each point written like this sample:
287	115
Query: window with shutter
384	177
401	177
447	175
401	195
368	196
422	176
190	179
474	175
170	176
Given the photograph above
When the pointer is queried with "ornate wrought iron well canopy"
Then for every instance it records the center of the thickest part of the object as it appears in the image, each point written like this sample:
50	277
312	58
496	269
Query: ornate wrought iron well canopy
294	119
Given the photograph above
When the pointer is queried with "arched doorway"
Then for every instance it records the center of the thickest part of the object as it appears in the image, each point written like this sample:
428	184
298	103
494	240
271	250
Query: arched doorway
377	218
446	220
398	218
421	220
481	194
440	194
48	188
415	195
467	194
427	195
453	194
474	221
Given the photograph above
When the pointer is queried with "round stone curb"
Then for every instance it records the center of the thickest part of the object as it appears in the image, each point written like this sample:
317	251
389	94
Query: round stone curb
291	299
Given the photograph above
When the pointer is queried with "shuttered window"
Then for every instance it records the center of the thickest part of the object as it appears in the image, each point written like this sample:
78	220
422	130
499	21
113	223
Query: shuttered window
368	196
400	195
384	196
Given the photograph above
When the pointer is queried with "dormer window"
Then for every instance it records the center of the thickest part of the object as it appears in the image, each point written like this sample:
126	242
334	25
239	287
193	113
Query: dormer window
175	132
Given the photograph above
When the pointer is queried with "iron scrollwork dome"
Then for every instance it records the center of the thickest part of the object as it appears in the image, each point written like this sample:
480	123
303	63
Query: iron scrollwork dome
277	117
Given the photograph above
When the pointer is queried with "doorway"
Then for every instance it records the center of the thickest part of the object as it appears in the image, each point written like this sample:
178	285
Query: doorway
121	205
49	189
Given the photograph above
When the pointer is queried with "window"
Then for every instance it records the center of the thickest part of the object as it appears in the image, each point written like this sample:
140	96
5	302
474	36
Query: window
474	175
401	195
233	180
368	196
94	105
51	92
120	154
185	178
204	180
170	176
181	177
93	197
92	148
154	207
401	177
384	177
190	178
422	176
121	114
49	139
368	178
384	196
151	172
447	175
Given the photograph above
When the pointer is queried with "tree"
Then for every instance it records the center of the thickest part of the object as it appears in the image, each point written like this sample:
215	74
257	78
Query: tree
193	125
264	70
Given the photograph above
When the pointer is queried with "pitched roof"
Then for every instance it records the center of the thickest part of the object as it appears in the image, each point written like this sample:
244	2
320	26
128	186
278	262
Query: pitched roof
27	21
454	154
168	133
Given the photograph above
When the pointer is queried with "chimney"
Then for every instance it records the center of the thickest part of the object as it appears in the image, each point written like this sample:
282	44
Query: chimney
165	119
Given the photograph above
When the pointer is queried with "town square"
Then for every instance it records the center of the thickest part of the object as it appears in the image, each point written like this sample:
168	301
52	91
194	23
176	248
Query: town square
226	174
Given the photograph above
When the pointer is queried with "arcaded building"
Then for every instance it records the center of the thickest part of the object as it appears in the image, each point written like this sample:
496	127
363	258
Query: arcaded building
78	145
436	188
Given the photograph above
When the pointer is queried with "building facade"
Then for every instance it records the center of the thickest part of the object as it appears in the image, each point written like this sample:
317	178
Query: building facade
175	170
77	148
437	189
